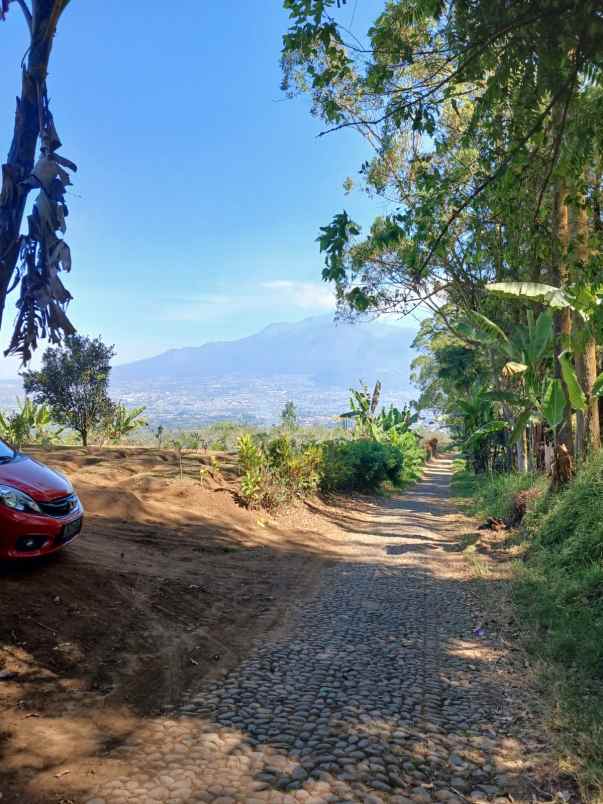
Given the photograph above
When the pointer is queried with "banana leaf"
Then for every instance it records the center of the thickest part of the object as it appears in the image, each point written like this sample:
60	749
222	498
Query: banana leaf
554	403
533	292
491	428
491	330
541	336
575	393
513	368
598	386
520	425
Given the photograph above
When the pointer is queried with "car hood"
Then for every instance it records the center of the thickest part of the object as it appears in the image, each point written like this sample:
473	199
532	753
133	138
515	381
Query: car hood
35	479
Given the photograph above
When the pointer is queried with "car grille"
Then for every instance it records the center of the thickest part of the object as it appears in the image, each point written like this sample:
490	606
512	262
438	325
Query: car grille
60	507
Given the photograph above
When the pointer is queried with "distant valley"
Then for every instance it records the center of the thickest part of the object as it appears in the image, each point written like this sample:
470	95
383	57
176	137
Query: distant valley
313	362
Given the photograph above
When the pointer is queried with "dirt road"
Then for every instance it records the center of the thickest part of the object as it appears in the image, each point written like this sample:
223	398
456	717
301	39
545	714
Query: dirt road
384	686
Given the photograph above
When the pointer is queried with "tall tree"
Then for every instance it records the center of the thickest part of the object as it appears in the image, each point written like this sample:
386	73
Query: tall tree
483	119
34	259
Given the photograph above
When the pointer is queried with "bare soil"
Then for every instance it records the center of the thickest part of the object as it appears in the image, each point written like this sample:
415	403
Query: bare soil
170	580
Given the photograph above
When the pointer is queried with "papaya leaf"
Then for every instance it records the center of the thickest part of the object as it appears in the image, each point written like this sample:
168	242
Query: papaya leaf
575	393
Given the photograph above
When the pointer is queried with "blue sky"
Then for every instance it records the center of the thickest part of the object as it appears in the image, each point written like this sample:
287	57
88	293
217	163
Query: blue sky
200	189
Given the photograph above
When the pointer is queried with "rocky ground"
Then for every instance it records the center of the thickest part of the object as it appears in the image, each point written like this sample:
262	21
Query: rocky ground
385	686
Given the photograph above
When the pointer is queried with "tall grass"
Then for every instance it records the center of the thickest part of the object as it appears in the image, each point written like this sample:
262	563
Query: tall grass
492	495
558	596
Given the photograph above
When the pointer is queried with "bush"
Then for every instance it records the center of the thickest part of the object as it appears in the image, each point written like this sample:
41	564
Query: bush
559	592
413	455
361	465
275	470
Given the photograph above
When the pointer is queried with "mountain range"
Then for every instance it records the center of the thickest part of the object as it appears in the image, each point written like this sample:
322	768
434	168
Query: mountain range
312	362
326	353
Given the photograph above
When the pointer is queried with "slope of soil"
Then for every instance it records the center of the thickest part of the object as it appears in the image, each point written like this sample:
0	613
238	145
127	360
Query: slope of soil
170	580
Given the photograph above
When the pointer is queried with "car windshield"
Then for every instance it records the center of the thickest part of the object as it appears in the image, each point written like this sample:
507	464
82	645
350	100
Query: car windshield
6	453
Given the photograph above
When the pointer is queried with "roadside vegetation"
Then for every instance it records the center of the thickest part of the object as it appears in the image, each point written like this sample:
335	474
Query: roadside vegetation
371	448
555	563
382	448
484	124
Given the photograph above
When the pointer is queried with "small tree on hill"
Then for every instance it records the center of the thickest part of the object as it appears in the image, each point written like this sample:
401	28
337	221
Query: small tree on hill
74	381
289	416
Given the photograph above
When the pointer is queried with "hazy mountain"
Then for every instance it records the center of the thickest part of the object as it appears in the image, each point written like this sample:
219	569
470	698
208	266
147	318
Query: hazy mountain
313	362
326	354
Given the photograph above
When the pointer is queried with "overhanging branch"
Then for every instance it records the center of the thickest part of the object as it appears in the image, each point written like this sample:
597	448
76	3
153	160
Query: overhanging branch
26	13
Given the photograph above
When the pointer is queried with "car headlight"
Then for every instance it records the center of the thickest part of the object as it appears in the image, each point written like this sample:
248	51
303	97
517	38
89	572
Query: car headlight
18	500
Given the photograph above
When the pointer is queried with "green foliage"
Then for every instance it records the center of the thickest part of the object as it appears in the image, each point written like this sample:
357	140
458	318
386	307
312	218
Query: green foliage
362	465
554	404
29	423
289	416
73	382
494	495
560	593
277	471
121	422
576	395
363	409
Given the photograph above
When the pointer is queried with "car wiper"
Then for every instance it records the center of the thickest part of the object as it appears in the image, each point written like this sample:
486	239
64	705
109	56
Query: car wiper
6	458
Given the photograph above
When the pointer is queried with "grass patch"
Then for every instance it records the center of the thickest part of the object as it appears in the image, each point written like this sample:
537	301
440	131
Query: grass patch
491	495
557	594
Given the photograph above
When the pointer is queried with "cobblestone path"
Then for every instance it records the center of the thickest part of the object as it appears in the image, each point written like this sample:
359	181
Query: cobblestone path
380	691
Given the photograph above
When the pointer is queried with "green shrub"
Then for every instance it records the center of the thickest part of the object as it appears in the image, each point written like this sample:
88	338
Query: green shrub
413	454
276	471
361	465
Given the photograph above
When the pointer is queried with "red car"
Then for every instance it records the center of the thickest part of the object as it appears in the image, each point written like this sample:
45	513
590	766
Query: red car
39	510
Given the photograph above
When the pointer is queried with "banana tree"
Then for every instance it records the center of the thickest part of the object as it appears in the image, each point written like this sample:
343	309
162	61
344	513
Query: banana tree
479	430
577	358
35	259
30	422
363	409
525	358
395	420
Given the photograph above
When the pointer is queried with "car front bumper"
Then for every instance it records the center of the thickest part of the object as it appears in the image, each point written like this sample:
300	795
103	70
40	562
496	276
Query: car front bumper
48	533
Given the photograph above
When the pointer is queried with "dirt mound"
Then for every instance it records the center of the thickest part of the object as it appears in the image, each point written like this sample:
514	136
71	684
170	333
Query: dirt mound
170	580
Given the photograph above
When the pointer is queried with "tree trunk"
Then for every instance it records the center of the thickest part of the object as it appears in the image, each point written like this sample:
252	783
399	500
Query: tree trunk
522	453
589	437
563	318
22	153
